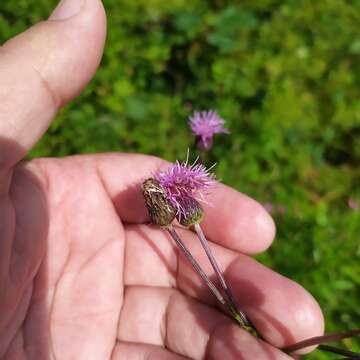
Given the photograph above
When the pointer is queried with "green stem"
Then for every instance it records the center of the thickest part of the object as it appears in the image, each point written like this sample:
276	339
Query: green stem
335	350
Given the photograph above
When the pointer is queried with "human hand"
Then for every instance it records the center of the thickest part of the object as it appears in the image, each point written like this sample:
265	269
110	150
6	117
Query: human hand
81	274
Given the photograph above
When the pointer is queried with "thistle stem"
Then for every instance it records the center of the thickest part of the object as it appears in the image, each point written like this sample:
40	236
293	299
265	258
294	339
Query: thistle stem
335	350
232	304
196	265
321	339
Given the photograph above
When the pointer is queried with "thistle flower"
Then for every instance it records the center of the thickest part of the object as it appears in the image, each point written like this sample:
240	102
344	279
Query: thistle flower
205	125
352	204
162	213
183	183
269	207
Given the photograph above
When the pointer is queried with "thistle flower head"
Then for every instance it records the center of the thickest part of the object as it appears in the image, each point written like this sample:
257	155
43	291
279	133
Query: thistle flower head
269	207
183	183
193	213
205	125
352	204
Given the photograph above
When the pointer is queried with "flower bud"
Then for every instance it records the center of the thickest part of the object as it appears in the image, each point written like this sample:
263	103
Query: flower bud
161	212
192	214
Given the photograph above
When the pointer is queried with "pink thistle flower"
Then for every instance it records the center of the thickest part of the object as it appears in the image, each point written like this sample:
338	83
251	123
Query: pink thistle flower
269	207
182	183
352	204
205	125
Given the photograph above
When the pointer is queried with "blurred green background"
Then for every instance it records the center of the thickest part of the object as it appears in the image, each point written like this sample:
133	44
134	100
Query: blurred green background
283	74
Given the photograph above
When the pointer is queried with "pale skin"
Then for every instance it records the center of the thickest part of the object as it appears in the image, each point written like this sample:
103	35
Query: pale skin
82	274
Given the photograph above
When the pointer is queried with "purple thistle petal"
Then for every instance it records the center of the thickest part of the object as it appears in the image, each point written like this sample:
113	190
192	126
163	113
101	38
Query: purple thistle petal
182	182
352	204
269	207
205	125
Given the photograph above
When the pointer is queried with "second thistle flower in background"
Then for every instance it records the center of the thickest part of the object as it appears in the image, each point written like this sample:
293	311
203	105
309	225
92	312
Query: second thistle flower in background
204	125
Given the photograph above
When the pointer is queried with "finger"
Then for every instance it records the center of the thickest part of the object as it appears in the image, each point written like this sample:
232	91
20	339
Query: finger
42	69
131	351
233	220
244	221
27	245
282	311
164	317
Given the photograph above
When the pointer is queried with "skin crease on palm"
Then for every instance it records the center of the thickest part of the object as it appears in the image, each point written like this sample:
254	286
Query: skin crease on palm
82	276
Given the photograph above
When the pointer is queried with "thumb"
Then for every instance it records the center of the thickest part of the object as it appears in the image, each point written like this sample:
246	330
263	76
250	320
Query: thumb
42	69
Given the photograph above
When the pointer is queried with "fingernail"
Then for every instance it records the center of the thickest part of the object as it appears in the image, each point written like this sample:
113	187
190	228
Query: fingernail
66	9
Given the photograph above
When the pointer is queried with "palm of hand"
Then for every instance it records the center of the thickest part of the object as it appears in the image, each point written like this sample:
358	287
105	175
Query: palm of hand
66	263
66	276
67	270
83	282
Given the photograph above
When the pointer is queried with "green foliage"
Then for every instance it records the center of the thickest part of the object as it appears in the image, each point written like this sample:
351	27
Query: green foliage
284	74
